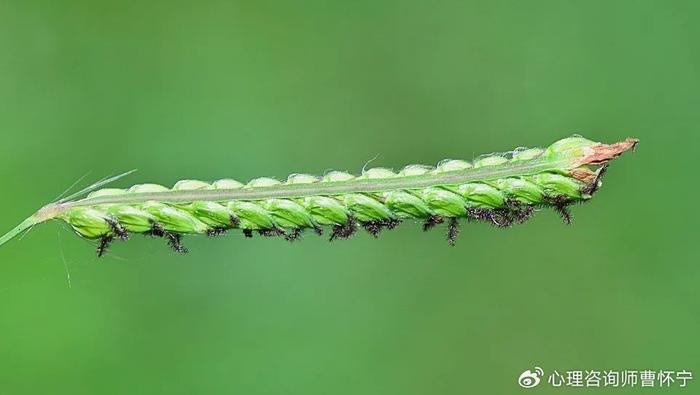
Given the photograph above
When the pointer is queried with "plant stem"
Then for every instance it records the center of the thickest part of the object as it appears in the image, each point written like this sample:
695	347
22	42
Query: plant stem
26	224
327	188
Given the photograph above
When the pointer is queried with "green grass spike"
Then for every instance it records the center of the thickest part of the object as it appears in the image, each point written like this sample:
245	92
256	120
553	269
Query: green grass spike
501	189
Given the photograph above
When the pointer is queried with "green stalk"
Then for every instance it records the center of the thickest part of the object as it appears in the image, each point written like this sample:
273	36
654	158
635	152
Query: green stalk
332	188
25	225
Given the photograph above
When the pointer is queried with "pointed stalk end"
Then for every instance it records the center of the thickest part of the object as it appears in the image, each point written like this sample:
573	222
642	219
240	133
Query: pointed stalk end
26	224
594	163
46	213
601	154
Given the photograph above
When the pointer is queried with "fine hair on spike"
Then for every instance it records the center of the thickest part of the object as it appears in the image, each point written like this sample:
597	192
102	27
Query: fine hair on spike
501	218
519	213
505	217
156	230
512	213
118	229
452	231
481	214
344	231
375	227
274	232
175	242
499	189
561	204
432	221
174	239
103	245
293	235
217	231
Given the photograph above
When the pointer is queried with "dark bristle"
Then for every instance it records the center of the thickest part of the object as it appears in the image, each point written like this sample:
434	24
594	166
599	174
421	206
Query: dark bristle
156	230
513	212
118	229
174	239
295	234
501	217
318	230
375	227
175	242
248	233
216	231
478	214
452	231
392	223
344	231
518	212
561	204
105	241
273	232
497	217
564	213
524	213
432	221
266	232
234	221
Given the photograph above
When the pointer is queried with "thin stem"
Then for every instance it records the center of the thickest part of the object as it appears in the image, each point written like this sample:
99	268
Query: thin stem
26	224
327	188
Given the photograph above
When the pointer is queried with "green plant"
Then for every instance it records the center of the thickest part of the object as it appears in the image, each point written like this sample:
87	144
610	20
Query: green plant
501	189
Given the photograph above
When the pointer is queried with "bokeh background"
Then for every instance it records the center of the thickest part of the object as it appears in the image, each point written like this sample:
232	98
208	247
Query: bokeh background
215	89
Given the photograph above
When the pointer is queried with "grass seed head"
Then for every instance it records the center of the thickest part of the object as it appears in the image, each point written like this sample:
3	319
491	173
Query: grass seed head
500	189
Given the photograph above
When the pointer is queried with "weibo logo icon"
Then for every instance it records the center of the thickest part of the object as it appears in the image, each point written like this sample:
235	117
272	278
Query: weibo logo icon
530	378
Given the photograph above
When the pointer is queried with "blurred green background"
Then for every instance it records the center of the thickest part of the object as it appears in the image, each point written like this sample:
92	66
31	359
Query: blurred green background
243	89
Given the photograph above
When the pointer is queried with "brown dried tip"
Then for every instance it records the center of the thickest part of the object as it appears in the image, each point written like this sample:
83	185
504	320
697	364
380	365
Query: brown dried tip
603	153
